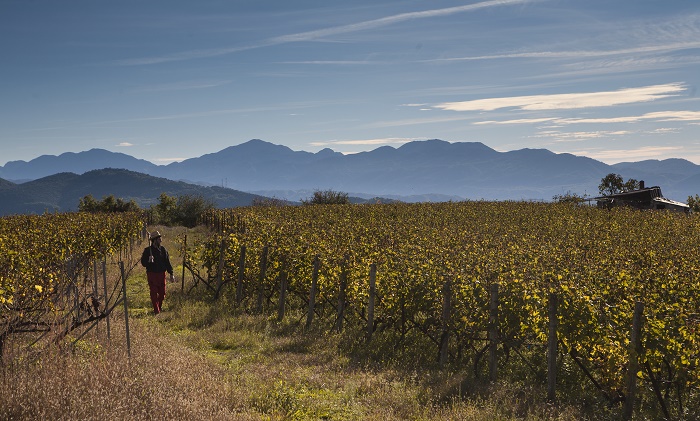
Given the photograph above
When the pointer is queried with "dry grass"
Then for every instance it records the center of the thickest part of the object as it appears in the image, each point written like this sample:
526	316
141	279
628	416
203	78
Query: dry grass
161	380
198	360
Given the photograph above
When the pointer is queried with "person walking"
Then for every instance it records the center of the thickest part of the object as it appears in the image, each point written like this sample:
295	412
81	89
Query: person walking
156	260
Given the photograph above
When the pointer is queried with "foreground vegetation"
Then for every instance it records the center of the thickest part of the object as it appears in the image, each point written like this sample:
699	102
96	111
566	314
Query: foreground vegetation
207	358
199	360
598	265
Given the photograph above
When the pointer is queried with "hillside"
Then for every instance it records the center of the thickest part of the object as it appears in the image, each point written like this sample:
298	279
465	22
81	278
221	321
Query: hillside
5	184
62	192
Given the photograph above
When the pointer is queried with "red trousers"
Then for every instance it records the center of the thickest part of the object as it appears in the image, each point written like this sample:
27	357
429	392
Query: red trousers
156	283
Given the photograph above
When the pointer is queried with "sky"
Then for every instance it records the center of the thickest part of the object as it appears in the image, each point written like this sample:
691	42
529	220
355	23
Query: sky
167	80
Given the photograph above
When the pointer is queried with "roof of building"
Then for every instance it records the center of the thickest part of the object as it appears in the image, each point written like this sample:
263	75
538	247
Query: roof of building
663	200
641	195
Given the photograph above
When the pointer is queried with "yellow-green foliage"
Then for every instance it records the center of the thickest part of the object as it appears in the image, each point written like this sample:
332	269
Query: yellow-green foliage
41	258
598	262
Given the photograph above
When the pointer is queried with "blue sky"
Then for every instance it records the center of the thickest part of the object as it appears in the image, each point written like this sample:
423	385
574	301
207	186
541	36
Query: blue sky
166	80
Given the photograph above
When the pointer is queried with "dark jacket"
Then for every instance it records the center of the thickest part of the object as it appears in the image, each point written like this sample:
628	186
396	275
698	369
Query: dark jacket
161	260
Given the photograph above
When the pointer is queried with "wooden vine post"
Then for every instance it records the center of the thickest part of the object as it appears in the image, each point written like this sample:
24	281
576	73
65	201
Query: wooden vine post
633	364
283	290
261	278
96	290
312	292
446	311
241	274
552	350
104	283
343	285
220	274
371	299
126	309
184	262
493	332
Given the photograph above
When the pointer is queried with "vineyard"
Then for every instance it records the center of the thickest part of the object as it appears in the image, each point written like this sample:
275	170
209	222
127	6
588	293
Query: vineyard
571	297
480	283
53	273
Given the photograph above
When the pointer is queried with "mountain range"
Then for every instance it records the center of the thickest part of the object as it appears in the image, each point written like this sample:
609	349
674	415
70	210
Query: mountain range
431	170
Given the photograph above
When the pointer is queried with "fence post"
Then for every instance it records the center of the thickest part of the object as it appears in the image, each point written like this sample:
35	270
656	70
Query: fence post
96	293
493	332
104	283
341	294
446	310
126	309
261	278
633	364
220	274
184	262
552	350
283	290
370	303
241	273
312	293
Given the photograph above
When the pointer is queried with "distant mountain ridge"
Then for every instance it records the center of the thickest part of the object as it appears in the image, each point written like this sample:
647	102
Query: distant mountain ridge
62	192
78	163
432	168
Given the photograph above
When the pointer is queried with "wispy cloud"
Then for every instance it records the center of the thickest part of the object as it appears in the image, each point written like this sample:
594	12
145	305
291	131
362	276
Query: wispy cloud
321	33
182	86
559	136
646	152
184	55
209	113
332	62
415	121
580	54
662	116
124	144
633	42
569	101
518	121
390	20
674	115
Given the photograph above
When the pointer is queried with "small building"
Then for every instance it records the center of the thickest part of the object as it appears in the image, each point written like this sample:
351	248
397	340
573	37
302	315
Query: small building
643	198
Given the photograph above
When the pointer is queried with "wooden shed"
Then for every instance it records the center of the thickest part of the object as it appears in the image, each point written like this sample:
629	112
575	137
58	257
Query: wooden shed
643	198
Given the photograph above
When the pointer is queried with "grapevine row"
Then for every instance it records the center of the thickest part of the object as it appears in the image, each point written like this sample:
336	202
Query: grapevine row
44	262
598	262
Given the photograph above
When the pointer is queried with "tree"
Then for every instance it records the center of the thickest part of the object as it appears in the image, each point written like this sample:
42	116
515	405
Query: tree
88	204
189	208
694	203
614	183
164	211
327	197
107	204
182	210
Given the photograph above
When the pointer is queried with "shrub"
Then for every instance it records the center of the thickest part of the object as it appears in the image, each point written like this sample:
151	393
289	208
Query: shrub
327	197
182	210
